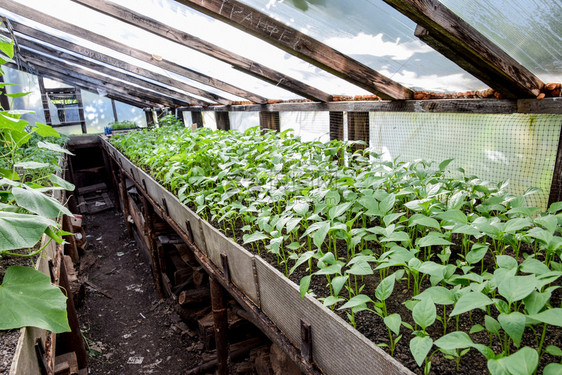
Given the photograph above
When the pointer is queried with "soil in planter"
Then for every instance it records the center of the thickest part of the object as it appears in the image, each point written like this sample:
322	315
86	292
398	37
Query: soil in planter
134	331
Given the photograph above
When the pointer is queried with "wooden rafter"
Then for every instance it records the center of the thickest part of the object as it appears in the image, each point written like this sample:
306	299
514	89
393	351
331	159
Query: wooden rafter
463	44
296	43
96	79
239	62
29	44
71	29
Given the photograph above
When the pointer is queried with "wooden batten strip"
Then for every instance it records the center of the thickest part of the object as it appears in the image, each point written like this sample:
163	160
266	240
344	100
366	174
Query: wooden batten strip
71	29
463	44
296	43
239	62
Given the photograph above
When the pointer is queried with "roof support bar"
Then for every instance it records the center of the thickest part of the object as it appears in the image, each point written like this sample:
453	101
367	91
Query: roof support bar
239	62
96	79
106	70
463	44
71	29
296	43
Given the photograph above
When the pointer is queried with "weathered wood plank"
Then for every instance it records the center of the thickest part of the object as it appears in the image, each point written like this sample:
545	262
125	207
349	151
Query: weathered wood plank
71	29
433	105
465	45
162	79
296	43
223	120
239	62
546	105
158	89
99	79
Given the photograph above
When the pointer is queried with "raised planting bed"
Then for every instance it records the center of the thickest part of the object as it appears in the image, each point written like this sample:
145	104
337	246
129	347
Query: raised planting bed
447	272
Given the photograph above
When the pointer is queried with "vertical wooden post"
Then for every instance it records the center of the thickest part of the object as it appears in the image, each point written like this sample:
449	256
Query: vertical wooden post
70	248
114	108
44	101
358	128
336	126
148	116
223	120
4	101
270	120
556	185
149	230
220	319
125	200
197	118
81	110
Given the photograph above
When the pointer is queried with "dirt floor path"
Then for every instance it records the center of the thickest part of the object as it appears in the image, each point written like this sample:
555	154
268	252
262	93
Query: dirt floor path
128	328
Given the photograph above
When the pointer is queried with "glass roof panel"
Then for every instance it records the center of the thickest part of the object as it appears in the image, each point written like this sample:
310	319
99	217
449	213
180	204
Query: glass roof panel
529	30
376	35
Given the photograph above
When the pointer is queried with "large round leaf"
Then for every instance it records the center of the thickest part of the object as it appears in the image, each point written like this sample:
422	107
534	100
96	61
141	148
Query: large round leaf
39	203
27	298
19	231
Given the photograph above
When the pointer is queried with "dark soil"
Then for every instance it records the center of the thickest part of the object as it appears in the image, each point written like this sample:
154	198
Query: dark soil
134	331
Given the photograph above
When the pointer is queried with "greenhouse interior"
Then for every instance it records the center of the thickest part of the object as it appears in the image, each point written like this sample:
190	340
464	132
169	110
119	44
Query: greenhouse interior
280	187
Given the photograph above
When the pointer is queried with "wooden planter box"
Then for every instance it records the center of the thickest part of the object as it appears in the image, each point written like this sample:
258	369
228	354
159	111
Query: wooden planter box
337	348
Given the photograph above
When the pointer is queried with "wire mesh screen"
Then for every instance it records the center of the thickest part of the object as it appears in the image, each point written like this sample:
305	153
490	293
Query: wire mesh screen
309	126
520	148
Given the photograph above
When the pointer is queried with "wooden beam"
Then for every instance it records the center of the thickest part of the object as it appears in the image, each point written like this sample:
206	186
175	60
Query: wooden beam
102	80
239	62
296	43
82	84
81	110
88	83
160	90
44	101
470	49
164	81
71	29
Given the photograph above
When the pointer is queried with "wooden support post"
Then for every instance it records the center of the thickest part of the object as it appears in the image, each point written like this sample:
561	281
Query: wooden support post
270	120
336	126
72	340
220	318
358	128
4	101
44	101
114	108
149	230
223	120
70	248
556	185
197	118
81	110
125	200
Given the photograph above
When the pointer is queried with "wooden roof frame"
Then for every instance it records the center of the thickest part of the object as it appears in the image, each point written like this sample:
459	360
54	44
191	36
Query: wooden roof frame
71	29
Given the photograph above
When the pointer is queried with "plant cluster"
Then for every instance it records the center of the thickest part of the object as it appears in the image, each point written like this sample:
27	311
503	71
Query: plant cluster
127	124
29	160
458	244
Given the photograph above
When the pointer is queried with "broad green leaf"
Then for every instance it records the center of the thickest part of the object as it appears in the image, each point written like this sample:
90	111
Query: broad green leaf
332	198
514	325
506	261
476	253
338	282
32	165
388	219
302	259
9	174
453	215
393	322
397	236
535	266
304	284
360	268
385	288
457	200
471	301
19	231
552	369
334	269
387	204
466	229
515	288
27	298
339	210
492	325
553	350
39	203
550	222
292	224
454	340
440	295
370	204
535	301
301	208
45	130
57	181
517	224
256	236
444	164
523	362
424	313
433	240
550	316
331	300
358	300
424	221
555	207
420	347
320	235
53	147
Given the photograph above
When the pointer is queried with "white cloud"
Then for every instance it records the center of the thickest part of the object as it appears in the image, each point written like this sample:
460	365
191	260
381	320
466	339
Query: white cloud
367	44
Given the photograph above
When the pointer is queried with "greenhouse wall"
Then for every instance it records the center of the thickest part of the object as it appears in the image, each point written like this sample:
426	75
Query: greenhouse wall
309	126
